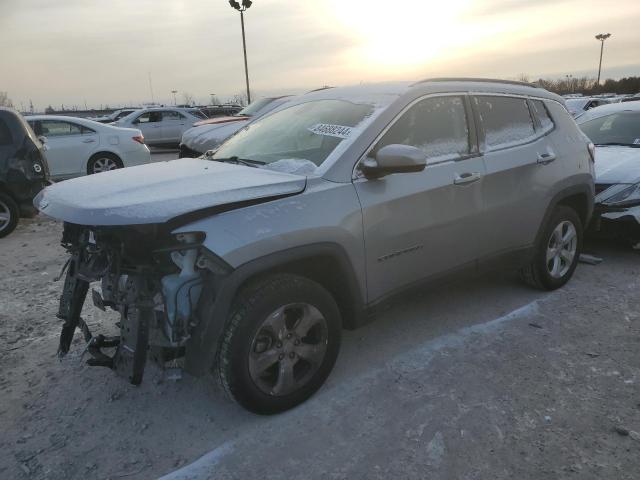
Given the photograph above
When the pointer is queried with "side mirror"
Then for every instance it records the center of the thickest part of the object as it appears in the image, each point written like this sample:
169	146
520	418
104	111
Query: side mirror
42	139
394	158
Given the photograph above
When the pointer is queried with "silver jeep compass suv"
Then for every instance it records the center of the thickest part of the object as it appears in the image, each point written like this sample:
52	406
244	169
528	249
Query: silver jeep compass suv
248	262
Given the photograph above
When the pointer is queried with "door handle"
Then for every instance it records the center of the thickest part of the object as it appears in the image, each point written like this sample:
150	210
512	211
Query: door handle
88	140
466	178
546	158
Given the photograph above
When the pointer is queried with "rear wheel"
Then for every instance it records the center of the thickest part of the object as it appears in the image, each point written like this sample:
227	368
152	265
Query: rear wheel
557	253
280	344
9	214
103	162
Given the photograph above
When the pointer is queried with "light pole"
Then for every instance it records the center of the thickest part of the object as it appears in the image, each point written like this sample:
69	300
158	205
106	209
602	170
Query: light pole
242	8
601	37
569	83
175	102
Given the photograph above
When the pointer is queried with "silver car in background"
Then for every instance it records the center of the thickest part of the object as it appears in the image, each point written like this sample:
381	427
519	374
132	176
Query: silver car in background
250	262
162	125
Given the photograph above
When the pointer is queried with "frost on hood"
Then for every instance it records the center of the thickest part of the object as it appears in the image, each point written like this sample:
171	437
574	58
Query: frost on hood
298	166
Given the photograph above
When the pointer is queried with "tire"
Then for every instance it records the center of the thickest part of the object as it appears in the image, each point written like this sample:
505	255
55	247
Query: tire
264	340
103	162
554	273
9	214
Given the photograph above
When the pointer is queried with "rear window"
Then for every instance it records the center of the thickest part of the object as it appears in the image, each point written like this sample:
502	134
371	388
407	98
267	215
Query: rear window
198	114
5	134
541	113
506	120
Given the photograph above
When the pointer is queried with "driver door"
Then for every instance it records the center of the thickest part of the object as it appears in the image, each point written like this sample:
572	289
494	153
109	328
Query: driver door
417	225
150	124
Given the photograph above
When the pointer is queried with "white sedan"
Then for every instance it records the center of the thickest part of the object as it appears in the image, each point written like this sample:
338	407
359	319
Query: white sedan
162	125
76	146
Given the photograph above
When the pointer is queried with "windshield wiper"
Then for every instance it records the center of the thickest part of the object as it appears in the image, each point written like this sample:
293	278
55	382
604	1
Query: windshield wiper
240	161
618	144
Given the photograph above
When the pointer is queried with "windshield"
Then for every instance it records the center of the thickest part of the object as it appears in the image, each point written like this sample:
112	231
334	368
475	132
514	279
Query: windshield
252	109
622	128
306	133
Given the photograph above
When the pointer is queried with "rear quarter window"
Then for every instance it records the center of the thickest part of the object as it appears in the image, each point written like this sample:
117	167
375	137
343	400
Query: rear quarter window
506	121
540	112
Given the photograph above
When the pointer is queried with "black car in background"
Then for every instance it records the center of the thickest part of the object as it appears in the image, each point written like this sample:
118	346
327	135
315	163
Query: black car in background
23	170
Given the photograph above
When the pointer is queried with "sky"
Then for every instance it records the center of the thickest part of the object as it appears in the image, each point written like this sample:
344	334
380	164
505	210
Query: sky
104	51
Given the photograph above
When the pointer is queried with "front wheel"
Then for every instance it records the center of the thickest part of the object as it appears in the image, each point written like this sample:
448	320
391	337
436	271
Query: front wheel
557	253
9	214
280	344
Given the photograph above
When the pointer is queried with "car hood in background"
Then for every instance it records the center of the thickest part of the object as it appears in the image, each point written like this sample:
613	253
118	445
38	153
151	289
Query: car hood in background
216	120
156	193
617	165
207	137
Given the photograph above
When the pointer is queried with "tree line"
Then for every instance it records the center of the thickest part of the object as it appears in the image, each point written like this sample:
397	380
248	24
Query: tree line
588	86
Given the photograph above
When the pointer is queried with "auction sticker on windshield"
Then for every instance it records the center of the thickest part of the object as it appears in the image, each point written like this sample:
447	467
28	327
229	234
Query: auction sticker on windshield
339	131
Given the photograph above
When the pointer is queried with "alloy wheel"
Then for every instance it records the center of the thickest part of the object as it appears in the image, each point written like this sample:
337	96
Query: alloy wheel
104	164
561	249
5	215
288	349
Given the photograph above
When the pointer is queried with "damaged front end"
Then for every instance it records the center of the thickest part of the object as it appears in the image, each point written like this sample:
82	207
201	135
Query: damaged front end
152	278
617	212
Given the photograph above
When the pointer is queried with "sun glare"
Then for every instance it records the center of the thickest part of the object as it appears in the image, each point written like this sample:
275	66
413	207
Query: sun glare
402	33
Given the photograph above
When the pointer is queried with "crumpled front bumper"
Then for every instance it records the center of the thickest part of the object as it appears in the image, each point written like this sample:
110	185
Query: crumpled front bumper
617	221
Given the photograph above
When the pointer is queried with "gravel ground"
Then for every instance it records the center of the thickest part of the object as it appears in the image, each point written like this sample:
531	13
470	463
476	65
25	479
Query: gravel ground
483	379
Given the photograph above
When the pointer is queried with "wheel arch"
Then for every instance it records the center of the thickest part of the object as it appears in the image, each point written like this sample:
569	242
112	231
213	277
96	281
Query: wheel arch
324	263
578	197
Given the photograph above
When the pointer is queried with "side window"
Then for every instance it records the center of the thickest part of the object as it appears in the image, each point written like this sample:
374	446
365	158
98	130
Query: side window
87	130
436	125
149	117
5	134
59	128
542	114
506	120
171	115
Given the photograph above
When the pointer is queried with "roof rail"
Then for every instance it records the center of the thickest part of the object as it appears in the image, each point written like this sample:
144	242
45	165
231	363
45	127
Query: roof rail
471	79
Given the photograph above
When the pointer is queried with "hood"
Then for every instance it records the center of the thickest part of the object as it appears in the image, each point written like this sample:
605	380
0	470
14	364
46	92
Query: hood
158	192
617	165
208	137
216	120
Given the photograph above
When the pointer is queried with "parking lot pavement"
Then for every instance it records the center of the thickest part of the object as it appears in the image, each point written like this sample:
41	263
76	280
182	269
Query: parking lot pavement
481	379
163	154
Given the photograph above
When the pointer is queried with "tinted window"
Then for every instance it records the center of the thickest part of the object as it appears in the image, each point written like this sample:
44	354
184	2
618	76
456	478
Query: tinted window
197	114
506	120
618	128
171	115
149	117
437	126
58	128
5	134
542	114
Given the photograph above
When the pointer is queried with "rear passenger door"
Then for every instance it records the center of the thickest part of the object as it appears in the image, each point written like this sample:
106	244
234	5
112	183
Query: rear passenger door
518	155
173	124
420	224
69	146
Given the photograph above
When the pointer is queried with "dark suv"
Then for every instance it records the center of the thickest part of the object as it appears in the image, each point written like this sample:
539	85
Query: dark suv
23	170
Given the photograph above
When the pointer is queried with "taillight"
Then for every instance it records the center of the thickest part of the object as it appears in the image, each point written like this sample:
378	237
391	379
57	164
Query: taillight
139	139
592	151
